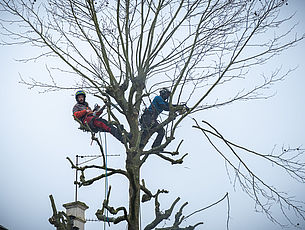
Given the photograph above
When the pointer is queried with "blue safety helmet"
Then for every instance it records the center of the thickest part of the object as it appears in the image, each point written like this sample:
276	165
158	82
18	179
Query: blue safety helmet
80	92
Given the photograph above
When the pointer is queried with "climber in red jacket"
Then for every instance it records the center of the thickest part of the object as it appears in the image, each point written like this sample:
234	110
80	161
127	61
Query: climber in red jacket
83	112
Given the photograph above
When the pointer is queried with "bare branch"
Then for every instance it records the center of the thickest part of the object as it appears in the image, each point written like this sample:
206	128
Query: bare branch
159	216
100	212
264	194
60	220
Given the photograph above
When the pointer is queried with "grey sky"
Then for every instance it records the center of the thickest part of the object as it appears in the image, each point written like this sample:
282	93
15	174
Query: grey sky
38	132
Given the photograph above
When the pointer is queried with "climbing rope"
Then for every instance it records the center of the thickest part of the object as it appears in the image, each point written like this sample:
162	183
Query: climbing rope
140	217
106	176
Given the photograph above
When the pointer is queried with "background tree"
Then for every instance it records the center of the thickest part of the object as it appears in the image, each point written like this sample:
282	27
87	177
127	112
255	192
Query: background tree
125	51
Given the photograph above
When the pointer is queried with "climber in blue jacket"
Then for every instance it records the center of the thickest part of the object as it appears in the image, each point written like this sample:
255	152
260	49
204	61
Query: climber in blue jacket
149	121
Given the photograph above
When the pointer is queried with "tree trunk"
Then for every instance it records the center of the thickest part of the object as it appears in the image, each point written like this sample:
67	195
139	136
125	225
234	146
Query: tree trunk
133	170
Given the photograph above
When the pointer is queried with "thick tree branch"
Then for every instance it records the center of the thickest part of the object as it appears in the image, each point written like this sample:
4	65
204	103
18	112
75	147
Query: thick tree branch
160	216
60	220
115	220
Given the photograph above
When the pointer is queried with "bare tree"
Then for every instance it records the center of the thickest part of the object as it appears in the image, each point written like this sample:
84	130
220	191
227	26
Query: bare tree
124	51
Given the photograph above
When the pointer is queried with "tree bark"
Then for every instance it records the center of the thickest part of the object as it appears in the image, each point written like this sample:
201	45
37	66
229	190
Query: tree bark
133	170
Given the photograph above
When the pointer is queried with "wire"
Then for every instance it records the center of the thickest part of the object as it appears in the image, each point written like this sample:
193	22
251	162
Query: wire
88	160
84	156
93	220
94	157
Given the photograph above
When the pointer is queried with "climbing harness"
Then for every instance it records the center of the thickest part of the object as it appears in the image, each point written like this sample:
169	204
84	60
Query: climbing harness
86	127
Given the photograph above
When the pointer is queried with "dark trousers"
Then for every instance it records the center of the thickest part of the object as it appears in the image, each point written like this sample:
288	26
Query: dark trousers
148	123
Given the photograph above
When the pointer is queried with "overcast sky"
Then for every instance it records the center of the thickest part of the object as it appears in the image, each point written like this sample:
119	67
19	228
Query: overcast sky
38	133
